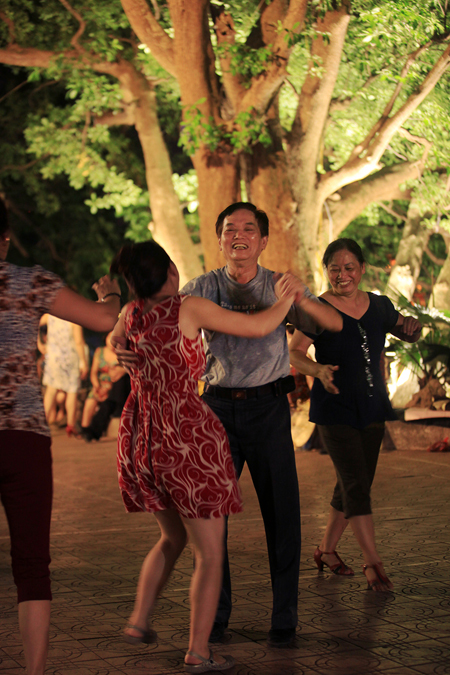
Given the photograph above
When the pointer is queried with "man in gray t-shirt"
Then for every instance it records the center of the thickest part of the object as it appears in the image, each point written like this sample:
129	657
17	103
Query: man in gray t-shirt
246	382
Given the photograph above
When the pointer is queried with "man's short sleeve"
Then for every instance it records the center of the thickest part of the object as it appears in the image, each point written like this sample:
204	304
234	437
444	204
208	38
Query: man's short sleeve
204	286
193	287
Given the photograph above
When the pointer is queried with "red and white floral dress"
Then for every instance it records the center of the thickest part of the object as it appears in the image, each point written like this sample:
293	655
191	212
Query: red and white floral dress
173	451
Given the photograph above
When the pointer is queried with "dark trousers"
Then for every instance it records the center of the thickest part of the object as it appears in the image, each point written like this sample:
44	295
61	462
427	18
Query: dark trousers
26	490
354	453
111	407
259	431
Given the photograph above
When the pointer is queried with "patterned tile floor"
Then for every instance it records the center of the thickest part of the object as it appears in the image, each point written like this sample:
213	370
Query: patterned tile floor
97	551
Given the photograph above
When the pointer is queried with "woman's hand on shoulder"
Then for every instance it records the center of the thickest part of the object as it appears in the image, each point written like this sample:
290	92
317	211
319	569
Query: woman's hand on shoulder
126	358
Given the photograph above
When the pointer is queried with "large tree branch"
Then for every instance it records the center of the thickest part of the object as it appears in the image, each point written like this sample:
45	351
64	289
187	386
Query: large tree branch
265	86
150	33
360	167
27	58
307	131
233	84
383	185
360	148
194	57
126	116
30	57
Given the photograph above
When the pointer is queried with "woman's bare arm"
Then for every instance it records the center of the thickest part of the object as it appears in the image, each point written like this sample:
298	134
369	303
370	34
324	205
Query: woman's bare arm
298	348
98	316
197	313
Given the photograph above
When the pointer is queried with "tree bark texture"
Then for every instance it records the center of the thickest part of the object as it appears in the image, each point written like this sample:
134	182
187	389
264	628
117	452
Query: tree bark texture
408	261
168	227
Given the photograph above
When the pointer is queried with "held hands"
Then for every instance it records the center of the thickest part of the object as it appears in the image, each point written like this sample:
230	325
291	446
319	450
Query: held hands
297	286
106	285
325	374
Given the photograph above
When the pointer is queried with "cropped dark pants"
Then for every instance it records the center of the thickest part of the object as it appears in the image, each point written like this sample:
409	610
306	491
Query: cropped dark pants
354	453
259	431
26	489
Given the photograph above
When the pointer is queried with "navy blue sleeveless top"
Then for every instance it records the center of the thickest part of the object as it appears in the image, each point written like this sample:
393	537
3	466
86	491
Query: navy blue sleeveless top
357	349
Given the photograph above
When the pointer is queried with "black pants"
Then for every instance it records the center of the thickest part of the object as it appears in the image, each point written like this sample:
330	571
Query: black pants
259	431
355	455
26	489
111	407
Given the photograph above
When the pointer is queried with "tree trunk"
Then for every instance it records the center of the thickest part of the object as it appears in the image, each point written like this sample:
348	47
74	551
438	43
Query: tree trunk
408	261
218	186
168	227
270	190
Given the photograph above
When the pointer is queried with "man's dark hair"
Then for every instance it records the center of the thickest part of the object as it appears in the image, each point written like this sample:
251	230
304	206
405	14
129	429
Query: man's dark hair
343	244
261	217
144	266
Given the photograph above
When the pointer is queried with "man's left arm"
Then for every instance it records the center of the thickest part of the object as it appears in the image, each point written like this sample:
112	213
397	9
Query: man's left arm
317	313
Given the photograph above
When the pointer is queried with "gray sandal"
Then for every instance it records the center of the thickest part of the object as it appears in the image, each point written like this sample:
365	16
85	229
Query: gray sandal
148	637
208	665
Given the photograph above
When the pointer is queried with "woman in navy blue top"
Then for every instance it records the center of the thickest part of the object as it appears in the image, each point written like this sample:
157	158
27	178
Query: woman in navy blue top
349	401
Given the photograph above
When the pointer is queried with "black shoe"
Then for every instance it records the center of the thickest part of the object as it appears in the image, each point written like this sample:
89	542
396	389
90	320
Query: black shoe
281	637
87	434
217	632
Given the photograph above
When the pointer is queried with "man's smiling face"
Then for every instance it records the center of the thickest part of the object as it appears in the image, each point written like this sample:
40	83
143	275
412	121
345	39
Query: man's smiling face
241	240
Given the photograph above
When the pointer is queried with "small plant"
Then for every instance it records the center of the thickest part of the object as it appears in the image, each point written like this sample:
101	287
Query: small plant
428	358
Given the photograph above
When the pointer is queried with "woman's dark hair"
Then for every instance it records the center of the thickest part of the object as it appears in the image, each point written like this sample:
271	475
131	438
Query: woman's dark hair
261	217
3	218
144	266
343	244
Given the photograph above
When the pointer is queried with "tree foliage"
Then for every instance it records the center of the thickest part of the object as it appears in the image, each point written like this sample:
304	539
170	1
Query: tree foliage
314	108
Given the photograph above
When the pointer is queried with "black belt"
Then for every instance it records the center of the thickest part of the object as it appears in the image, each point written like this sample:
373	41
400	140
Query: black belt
282	386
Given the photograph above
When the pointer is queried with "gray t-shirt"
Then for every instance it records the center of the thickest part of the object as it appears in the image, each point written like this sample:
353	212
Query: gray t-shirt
238	362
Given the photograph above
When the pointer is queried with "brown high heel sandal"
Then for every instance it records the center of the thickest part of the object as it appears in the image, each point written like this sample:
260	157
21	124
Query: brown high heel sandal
381	579
339	568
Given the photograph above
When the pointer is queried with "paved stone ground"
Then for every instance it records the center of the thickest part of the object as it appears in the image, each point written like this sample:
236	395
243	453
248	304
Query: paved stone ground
97	552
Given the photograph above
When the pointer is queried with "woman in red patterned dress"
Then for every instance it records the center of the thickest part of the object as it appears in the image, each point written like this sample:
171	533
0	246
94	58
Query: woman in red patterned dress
173	454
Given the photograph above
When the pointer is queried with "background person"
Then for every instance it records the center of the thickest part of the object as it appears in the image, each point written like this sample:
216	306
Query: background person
25	458
65	366
105	370
111	407
173	453
349	401
246	385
